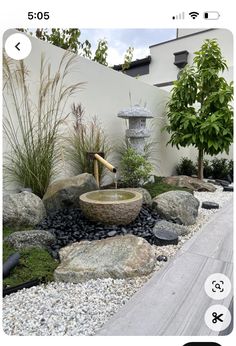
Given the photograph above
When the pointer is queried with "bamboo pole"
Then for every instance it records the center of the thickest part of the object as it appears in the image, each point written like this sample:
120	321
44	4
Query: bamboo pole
96	171
105	163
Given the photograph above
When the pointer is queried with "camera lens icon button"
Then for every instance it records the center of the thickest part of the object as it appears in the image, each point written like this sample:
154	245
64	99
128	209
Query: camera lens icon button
217	286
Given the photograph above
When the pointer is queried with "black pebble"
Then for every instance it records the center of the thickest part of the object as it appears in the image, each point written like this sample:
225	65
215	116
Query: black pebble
162	258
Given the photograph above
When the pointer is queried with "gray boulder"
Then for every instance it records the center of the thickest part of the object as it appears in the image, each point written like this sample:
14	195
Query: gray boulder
164	225
118	257
22	210
147	199
177	206
64	193
30	239
190	183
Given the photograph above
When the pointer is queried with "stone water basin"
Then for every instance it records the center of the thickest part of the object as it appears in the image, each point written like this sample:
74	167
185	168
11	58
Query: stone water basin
113	207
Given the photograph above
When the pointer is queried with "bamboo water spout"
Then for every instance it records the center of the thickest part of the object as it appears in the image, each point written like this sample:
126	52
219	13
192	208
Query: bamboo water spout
104	162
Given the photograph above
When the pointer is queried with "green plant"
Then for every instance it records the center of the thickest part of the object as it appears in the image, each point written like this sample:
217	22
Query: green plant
128	58
31	128
209	125
231	169
135	169
33	264
186	167
100	54
159	186
220	168
86	137
207	168
69	39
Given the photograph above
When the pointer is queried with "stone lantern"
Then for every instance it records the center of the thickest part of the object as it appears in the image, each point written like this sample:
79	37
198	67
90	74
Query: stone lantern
137	131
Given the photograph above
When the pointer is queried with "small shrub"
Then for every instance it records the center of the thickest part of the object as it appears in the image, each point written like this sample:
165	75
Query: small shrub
207	169
186	167
135	169
231	169
220	168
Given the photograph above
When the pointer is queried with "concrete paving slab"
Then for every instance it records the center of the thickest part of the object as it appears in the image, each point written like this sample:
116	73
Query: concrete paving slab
173	301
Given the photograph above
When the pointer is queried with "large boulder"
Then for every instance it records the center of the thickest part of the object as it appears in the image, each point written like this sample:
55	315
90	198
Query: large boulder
177	206
118	257
64	193
30	239
22	210
147	199
190	183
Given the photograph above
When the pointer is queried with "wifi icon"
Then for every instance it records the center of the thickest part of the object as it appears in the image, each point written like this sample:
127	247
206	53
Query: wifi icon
193	14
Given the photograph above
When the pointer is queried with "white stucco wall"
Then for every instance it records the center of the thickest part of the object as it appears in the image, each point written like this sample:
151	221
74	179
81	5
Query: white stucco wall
162	68
105	93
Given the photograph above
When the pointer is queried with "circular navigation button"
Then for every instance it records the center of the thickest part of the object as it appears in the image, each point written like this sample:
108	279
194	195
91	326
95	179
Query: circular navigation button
217	286
217	318
18	46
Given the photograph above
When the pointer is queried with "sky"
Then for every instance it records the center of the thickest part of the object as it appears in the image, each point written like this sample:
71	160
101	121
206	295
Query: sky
121	39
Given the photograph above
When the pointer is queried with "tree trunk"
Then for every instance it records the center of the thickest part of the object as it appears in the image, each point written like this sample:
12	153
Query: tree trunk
200	164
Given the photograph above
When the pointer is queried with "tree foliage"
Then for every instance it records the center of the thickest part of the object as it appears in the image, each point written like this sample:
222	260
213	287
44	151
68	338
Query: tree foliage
200	111
69	39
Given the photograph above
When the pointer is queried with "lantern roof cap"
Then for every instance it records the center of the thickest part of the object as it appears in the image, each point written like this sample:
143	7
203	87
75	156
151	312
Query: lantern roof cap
135	111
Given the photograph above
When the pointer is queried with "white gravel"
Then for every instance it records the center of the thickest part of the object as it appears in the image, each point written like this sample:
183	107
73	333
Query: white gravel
82	309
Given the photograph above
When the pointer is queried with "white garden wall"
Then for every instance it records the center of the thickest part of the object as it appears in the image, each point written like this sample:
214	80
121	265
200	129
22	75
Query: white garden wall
105	93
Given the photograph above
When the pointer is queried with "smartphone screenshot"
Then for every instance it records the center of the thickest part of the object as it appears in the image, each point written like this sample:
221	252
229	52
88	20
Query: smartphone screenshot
118	172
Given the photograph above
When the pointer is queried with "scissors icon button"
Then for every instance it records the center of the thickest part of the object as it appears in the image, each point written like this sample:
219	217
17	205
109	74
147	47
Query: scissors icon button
217	317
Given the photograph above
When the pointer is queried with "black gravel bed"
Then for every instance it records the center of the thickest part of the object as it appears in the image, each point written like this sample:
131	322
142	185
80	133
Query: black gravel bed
70	225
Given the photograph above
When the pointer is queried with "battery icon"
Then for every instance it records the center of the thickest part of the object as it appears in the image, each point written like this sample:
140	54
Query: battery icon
212	15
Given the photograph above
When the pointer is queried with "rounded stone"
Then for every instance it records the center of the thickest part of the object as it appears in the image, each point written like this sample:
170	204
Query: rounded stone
30	239
165	237
223	182
162	258
210	205
177	206
228	188
64	193
22	210
115	207
164	225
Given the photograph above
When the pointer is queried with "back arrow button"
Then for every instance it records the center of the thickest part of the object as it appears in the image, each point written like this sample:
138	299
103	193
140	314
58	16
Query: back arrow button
17	46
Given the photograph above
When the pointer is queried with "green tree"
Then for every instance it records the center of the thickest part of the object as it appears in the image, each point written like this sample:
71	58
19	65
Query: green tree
200	111
68	39
128	58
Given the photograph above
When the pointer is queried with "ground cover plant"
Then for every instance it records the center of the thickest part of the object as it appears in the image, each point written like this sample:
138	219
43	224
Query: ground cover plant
33	264
159	186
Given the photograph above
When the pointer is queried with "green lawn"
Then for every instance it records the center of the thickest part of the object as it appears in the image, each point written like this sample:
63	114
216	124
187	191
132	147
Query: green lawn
159	187
33	264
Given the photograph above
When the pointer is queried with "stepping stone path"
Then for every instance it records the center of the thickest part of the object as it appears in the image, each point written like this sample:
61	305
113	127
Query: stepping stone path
223	182
165	237
228	188
210	205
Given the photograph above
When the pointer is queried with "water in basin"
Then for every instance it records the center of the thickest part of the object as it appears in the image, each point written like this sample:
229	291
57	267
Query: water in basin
107	196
